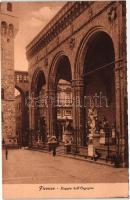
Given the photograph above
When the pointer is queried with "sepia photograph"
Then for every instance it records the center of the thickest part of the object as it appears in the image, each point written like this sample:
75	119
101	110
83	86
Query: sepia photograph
64	111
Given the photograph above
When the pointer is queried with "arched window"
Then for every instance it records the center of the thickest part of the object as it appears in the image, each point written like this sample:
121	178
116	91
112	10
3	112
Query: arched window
9	7
3	27
11	29
2	93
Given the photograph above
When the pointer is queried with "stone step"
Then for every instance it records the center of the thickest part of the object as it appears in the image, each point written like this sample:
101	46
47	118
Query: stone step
82	152
78	157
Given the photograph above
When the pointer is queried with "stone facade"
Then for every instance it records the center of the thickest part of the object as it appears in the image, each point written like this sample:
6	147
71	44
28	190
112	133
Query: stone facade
8	29
85	39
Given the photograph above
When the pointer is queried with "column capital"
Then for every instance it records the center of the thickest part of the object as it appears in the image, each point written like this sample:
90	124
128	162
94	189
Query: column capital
78	82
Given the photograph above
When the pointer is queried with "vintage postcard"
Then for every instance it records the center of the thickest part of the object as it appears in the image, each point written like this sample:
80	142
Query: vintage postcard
64	99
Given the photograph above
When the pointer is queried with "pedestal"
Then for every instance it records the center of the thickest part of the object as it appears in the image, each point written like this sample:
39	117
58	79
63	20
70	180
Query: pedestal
96	139
102	137
91	150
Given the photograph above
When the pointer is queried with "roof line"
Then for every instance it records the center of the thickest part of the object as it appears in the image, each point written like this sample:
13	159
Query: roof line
45	27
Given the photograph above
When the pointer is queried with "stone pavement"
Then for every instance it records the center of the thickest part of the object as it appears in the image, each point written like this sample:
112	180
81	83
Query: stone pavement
27	166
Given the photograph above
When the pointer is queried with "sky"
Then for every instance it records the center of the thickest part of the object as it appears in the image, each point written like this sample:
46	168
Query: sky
33	16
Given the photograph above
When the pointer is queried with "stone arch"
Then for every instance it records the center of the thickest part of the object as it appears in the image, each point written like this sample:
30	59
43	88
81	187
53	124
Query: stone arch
38	109
24	118
83	48
60	70
54	66
96	51
39	71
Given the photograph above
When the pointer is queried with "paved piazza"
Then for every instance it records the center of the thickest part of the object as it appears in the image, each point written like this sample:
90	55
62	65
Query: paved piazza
26	166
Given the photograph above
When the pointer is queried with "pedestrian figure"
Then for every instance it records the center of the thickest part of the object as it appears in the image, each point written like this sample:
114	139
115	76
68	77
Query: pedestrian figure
3	141
6	153
18	142
97	155
54	151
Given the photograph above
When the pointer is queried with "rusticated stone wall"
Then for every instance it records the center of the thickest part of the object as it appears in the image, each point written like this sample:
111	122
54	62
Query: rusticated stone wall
8	29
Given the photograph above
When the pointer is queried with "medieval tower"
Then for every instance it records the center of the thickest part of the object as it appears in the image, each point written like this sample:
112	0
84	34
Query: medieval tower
8	29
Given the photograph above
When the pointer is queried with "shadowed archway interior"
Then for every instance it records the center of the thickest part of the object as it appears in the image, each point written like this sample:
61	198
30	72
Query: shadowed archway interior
99	78
63	70
39	82
39	115
63	77
22	118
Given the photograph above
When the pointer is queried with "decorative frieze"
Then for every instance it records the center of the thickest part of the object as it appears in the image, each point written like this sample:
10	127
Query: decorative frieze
65	20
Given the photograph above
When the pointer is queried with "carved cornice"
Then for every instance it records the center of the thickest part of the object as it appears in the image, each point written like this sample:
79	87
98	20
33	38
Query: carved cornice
64	18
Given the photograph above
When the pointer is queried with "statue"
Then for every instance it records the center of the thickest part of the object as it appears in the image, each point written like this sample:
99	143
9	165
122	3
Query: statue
92	117
68	133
